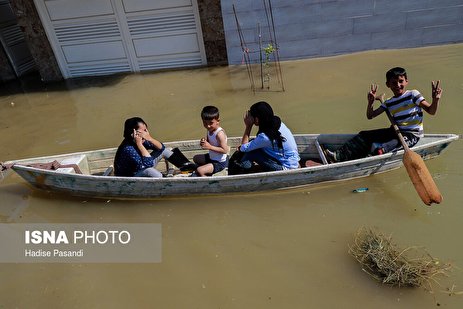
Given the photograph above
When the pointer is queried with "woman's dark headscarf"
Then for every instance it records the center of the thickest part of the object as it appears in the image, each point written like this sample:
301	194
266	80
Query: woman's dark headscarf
130	125
268	122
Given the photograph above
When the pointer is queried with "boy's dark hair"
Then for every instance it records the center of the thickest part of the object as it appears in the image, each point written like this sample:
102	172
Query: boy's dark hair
394	72
209	113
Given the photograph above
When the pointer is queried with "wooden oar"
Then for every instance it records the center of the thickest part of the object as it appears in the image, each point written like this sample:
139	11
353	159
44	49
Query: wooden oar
417	170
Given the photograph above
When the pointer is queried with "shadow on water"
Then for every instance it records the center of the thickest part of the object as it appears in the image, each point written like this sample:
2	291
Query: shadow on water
32	82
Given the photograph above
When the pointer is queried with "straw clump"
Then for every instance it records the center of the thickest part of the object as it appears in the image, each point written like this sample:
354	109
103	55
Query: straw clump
384	261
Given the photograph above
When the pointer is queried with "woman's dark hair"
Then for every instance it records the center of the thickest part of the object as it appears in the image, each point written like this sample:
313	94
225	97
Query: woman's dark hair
268	122
130	125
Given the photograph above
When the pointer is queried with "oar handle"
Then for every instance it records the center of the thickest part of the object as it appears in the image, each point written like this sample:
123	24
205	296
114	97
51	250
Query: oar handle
397	130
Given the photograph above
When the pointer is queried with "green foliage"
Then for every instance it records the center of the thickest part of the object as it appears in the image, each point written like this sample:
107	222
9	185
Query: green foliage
269	50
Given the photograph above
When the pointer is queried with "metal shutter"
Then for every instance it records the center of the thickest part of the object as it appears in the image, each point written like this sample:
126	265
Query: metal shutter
12	40
98	37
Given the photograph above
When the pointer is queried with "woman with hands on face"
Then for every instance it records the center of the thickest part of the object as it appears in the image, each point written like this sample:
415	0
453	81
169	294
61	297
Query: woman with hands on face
133	157
274	147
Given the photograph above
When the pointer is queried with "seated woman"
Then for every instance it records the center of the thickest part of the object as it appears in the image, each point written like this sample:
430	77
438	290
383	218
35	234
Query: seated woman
133	157
274	147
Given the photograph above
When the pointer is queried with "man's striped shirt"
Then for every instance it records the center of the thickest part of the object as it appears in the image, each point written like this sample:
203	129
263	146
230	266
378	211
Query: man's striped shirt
407	113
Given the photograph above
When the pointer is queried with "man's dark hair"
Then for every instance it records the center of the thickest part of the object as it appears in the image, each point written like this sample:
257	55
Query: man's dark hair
394	72
209	113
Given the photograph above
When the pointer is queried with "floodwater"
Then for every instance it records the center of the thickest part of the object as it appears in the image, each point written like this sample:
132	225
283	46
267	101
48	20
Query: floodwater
267	250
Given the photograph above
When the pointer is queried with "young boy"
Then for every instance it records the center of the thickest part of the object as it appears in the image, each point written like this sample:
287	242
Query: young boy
215	141
406	108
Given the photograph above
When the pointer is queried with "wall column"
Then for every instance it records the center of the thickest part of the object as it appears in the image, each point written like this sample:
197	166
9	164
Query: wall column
210	13
37	40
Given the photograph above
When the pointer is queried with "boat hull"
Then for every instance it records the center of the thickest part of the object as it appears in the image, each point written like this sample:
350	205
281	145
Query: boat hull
144	188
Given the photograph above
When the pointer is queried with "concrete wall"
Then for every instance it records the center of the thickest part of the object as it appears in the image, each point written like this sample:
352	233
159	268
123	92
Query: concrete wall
36	38
213	33
317	28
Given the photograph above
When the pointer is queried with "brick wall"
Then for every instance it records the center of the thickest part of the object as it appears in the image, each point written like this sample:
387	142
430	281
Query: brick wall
213	33
317	28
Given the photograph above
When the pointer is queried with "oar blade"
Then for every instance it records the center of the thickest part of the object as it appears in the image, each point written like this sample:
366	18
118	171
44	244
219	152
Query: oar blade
421	178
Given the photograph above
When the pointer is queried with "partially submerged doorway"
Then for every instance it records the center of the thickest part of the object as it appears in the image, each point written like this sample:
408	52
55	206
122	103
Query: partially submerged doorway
14	46
99	37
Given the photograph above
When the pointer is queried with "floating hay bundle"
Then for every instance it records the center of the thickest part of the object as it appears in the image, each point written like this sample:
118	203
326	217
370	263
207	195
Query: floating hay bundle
384	261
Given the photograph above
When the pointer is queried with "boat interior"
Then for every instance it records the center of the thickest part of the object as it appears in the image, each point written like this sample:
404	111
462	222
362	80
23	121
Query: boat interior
100	162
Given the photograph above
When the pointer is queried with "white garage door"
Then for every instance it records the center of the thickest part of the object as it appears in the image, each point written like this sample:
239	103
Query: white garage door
97	37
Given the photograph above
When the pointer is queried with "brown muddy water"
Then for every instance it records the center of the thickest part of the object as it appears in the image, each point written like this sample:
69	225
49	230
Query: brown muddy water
268	250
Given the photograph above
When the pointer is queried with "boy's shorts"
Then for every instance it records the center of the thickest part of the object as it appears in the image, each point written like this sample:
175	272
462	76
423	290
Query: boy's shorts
218	166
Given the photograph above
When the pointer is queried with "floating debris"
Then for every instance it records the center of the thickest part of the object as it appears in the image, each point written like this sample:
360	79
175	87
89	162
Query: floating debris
360	190
384	261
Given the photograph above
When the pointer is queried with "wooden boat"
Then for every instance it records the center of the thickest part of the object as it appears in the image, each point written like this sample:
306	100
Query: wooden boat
92	182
